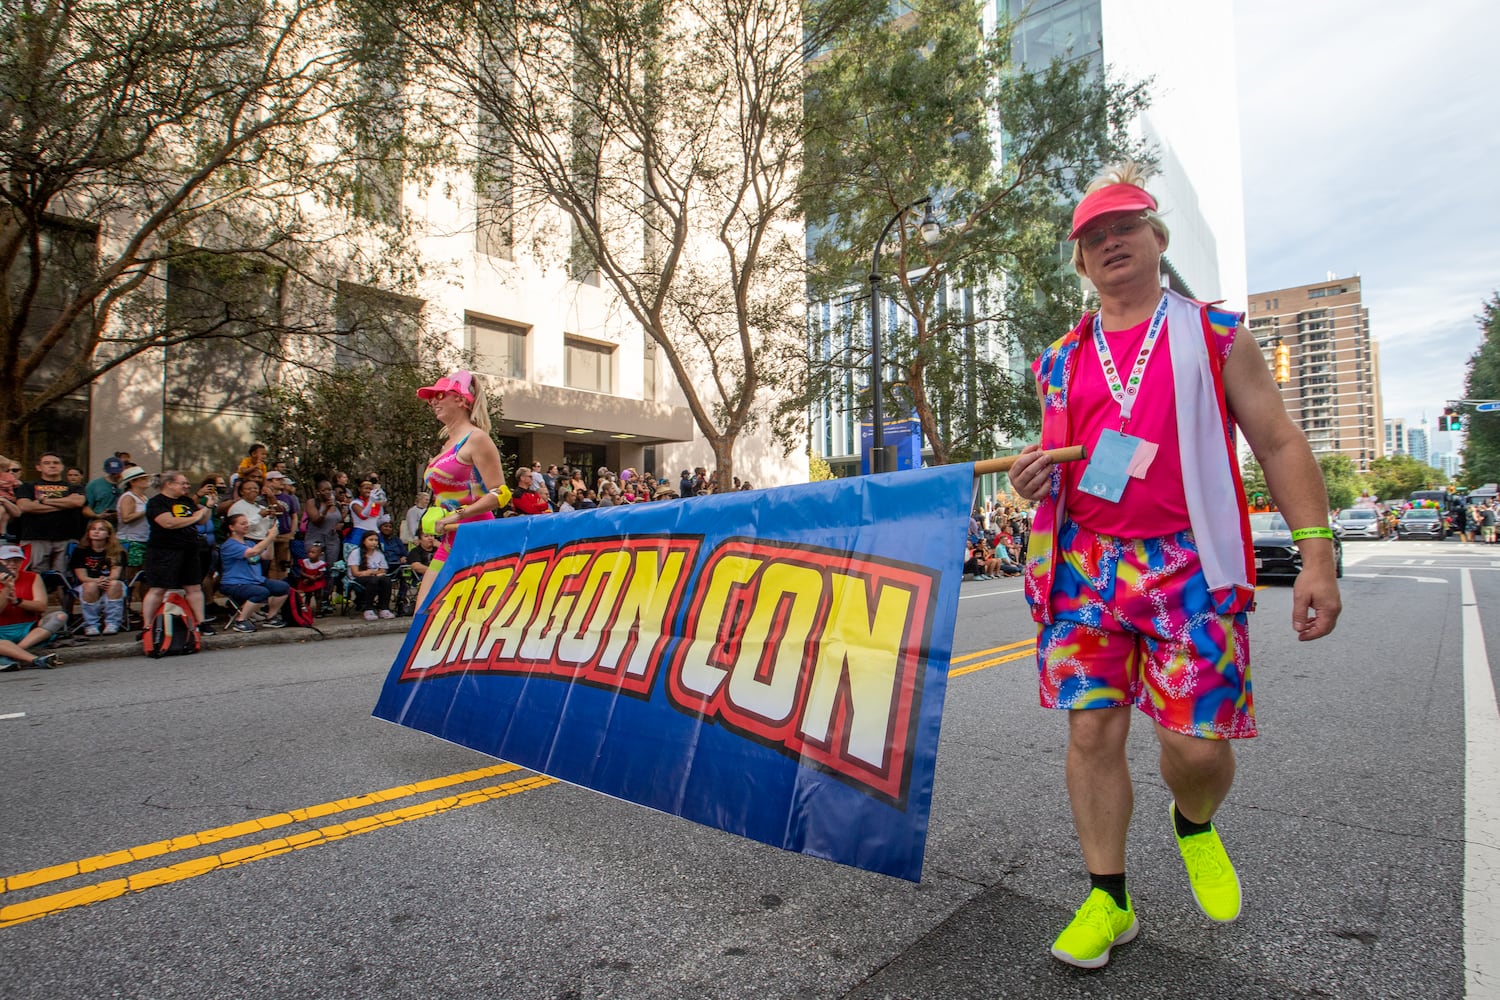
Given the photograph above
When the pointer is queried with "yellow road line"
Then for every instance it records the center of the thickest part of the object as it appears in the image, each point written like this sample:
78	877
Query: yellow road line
18	913
98	862
996	649
971	668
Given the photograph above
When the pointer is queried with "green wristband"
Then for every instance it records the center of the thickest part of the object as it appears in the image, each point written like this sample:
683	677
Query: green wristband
1302	533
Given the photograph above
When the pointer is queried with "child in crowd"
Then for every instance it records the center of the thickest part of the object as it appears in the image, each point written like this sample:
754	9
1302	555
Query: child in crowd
314	571
94	571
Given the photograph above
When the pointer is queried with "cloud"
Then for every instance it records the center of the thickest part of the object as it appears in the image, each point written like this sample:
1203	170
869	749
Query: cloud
1369	137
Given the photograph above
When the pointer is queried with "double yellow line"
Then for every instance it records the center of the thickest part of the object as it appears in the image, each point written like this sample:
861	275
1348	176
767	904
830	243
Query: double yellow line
42	906
1026	648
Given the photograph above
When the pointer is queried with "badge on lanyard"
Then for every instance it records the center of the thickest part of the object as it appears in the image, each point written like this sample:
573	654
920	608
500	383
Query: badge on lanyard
1118	457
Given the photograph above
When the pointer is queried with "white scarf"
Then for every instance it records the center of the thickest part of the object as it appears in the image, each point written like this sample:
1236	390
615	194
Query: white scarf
1207	473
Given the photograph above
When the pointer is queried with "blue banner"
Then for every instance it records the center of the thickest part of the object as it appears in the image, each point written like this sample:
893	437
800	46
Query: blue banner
770	662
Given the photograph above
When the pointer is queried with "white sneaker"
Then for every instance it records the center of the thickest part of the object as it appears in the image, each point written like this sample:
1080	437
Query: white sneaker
369	616
386	614
91	630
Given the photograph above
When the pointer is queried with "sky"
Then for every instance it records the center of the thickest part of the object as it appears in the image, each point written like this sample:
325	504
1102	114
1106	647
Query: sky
1370	136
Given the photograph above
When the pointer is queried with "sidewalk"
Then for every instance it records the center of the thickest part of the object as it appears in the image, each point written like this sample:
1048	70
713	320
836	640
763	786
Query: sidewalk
128	644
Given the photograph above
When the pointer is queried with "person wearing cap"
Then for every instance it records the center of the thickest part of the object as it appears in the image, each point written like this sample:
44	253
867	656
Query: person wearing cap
130	509
457	477
279	486
1139	570
24	620
101	494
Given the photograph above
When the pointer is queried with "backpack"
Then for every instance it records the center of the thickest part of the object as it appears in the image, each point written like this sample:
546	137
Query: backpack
301	608
173	631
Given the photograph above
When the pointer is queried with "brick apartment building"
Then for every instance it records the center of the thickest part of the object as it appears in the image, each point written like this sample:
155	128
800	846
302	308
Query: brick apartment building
1316	339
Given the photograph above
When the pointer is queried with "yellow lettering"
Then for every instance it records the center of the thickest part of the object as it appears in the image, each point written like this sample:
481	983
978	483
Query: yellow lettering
430	651
773	697
469	634
698	674
584	631
508	624
552	610
867	651
643	610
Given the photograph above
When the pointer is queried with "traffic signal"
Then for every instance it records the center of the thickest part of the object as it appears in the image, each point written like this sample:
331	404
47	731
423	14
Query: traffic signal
1456	422
1283	368
1449	420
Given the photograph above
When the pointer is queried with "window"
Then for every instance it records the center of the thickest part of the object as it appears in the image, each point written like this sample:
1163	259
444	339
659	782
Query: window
499	348
588	365
375	327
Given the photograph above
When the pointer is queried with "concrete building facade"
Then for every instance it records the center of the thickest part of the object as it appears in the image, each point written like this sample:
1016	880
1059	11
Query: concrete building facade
1316	339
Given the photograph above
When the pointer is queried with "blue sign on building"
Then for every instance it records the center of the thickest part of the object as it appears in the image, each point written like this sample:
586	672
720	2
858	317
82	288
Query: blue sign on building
904	435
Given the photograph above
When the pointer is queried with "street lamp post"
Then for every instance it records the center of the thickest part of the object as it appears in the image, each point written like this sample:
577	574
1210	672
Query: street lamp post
930	231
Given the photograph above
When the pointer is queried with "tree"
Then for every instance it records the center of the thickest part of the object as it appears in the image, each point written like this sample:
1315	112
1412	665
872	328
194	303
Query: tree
1396	477
157	152
1482	442
1254	479
362	418
1341	479
904	108
664	140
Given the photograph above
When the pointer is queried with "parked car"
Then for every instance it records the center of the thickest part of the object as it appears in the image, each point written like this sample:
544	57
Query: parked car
1421	522
1276	554
1360	522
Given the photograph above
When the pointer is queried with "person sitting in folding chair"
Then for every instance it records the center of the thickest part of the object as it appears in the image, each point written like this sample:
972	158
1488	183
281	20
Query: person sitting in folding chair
24	620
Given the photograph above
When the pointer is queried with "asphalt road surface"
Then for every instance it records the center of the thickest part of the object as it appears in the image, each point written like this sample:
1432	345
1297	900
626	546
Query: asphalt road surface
237	825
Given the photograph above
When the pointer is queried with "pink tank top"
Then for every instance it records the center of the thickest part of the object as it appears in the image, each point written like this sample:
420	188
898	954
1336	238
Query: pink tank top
453	482
1155	505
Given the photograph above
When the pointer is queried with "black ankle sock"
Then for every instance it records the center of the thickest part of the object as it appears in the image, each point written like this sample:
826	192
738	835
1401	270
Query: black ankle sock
1186	828
1114	885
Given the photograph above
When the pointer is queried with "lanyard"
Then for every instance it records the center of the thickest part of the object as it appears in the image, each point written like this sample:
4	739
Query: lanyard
1125	393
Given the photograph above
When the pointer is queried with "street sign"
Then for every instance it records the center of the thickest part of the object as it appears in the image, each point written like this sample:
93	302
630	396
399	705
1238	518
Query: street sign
1487	407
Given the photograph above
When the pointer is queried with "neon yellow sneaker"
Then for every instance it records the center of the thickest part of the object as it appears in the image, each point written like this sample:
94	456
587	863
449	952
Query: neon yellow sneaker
1216	887
1097	927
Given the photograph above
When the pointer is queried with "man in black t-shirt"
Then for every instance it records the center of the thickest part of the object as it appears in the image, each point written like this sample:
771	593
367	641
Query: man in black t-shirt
172	561
51	515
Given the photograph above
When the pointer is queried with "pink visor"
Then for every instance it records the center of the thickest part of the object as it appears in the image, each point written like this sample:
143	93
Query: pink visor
459	381
1114	198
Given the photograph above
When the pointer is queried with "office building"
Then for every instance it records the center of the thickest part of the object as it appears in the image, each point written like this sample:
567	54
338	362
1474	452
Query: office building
1316	339
1396	441
1418	438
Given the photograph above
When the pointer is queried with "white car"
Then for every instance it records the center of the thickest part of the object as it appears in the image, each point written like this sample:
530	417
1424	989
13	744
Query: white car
1360	522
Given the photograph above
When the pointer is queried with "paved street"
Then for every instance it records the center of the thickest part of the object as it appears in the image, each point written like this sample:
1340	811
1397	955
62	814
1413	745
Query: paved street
237	825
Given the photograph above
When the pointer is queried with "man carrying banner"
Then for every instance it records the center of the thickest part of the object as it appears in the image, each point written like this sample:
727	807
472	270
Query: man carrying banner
1139	568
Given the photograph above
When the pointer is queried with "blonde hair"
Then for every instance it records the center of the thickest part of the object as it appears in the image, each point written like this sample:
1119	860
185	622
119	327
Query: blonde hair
479	413
1124	172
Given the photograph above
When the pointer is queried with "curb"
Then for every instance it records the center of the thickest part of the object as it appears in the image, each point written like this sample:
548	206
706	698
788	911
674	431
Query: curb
128	644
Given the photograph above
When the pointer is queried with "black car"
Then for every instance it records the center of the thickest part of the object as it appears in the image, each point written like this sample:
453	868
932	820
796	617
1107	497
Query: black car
1276	554
1421	522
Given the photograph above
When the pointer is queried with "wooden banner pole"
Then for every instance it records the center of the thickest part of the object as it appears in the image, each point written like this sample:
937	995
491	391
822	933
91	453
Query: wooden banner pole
1073	454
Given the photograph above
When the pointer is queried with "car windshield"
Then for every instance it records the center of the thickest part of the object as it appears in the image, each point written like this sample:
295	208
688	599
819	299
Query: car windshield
1421	515
1267	522
1357	515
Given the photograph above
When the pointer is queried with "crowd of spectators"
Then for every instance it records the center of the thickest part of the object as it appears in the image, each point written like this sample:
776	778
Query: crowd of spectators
238	545
997	537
